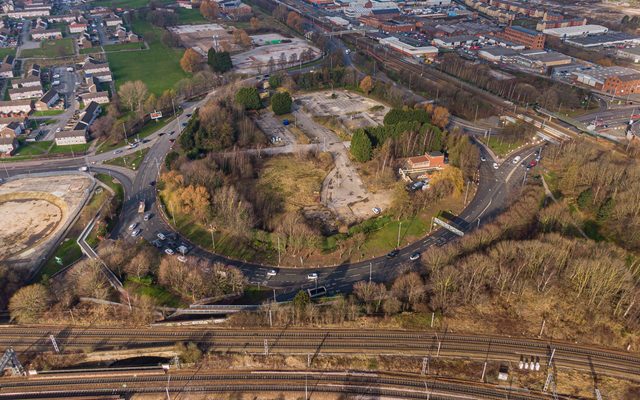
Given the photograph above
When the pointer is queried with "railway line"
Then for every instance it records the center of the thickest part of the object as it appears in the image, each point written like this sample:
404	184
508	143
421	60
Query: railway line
311	382
405	343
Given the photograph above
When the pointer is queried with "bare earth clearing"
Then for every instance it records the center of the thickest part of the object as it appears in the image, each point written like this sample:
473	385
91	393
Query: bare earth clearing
34	210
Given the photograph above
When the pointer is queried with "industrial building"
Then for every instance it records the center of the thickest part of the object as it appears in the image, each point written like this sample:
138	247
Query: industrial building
617	81
605	40
527	37
575	31
410	50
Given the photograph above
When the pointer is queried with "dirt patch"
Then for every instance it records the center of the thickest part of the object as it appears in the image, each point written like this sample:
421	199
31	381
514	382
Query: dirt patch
34	211
28	222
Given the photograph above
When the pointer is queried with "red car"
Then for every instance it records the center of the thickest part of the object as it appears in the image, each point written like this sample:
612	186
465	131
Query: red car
533	163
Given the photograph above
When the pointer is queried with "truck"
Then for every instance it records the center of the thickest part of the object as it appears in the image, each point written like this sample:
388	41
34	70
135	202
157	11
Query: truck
141	207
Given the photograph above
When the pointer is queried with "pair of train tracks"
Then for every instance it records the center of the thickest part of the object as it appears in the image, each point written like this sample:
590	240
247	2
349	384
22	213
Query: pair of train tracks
309	383
334	342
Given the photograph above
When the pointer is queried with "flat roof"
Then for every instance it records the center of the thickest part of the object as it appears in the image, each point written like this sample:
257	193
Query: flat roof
606	38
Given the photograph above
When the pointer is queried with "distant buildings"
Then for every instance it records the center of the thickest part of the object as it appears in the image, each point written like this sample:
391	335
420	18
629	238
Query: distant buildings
618	81
429	52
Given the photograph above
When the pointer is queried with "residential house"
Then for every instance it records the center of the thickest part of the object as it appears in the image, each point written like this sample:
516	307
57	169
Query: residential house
103	77
29	81
112	21
43	34
429	161
98	97
6	68
12	129
6	121
90	114
91	66
8	145
15	108
25	93
77	27
84	42
34	70
47	101
67	138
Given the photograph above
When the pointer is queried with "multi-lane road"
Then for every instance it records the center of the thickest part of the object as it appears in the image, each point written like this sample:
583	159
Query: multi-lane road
491	197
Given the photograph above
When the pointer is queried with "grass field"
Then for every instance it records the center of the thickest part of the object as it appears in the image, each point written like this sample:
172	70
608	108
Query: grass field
91	50
5	51
47	113
146	286
51	49
74	148
158	67
68	251
187	17
500	147
33	148
132	160
123	46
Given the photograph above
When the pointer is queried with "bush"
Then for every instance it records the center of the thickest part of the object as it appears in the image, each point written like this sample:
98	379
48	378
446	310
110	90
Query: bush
249	98
281	103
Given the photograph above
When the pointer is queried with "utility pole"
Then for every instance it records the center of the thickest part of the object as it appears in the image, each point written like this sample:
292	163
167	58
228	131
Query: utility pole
370	270
399	228
54	343
278	251
466	193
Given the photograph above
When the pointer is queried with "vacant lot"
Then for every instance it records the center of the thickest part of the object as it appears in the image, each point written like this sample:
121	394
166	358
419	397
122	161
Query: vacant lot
51	49
257	60
34	210
158	67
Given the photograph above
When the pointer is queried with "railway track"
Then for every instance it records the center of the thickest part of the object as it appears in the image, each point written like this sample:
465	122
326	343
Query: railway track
405	343
365	383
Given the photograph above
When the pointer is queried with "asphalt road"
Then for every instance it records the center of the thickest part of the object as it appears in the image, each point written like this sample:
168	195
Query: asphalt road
492	196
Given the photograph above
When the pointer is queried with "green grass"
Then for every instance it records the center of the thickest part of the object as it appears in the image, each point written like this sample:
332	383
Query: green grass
385	233
6	51
500	147
186	17
68	251
131	161
51	49
123	46
91	50
112	183
47	113
33	148
159	67
74	148
145	286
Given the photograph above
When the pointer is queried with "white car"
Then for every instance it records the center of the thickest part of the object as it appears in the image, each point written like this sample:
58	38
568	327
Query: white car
56	76
169	251
147	216
133	226
117	151
495	165
414	256
161	236
182	259
272	272
135	233
69	69
483	158
516	160
376	210
312	276
83	169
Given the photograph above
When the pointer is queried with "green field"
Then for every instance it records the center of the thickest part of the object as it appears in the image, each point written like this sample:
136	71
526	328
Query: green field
51	49
187	17
499	146
158	67
68	251
91	50
33	148
47	113
5	51
145	286
74	148
123	46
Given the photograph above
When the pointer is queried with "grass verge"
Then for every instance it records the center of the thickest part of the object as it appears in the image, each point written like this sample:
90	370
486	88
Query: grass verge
131	161
51	49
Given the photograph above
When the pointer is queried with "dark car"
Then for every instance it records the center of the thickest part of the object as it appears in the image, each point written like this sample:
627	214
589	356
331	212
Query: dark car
161	133
152	183
393	253
172	140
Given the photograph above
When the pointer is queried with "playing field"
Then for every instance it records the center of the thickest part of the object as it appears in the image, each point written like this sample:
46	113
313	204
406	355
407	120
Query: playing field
158	67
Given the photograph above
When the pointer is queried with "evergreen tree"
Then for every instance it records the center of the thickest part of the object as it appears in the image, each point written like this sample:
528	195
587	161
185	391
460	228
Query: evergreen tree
219	61
281	103
249	98
361	146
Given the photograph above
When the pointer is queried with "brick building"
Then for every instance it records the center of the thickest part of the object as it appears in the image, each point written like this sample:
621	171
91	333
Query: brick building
527	37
